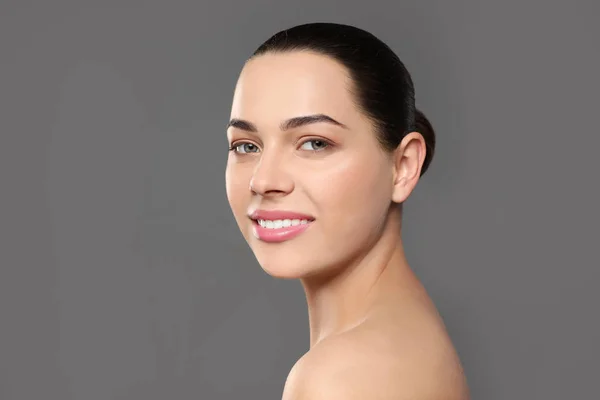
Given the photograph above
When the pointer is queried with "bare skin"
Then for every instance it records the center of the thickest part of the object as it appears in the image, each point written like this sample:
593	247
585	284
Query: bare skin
396	348
374	331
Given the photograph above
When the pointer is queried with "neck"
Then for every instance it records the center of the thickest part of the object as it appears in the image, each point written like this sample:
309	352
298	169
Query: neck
343	301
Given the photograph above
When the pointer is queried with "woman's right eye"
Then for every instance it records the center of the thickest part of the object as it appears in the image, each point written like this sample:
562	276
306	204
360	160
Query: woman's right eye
244	148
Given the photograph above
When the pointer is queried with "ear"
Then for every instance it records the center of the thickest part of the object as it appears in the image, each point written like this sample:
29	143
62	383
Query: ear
408	161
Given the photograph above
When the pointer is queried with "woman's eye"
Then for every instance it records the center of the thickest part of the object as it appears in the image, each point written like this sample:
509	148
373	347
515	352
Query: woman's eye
314	145
243	148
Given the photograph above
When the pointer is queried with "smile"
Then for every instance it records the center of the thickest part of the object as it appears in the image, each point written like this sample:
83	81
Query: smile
278	226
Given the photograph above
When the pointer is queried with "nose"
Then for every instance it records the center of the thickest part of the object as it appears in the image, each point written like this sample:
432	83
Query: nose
270	177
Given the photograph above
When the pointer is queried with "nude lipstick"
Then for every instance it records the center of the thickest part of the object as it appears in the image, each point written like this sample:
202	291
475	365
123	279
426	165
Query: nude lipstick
276	226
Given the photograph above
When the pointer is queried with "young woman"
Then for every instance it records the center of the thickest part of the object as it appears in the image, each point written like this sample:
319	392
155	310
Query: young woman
325	146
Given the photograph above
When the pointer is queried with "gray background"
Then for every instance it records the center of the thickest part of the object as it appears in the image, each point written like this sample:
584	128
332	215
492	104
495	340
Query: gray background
123	274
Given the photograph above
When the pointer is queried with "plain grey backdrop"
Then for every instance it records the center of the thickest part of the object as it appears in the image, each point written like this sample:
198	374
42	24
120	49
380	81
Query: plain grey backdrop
123	275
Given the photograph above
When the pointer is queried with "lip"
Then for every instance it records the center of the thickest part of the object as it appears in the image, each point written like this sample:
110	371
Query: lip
278	214
280	234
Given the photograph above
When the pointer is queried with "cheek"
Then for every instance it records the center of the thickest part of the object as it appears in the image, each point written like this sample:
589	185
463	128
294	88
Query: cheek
356	191
237	182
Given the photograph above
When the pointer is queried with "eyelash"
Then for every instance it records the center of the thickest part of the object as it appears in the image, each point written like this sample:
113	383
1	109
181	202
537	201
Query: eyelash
327	143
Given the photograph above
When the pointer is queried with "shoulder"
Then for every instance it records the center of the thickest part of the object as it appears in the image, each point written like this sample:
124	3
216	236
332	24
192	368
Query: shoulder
358	367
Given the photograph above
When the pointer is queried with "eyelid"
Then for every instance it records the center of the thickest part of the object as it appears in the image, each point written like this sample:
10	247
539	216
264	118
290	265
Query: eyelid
239	142
305	139
236	143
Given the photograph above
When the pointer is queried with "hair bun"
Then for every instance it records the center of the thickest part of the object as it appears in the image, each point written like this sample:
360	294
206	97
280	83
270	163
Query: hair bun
423	126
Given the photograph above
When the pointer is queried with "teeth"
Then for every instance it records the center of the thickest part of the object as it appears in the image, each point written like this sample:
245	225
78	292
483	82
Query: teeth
281	223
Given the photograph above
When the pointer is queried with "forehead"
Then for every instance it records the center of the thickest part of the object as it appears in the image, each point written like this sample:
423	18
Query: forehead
274	87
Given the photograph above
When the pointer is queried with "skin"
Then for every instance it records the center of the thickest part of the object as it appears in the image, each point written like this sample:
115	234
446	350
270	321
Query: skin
374	331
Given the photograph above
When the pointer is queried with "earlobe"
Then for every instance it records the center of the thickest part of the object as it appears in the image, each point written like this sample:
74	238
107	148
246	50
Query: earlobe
408	161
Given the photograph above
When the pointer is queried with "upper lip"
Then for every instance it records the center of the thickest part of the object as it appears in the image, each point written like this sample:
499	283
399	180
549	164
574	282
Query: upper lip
278	214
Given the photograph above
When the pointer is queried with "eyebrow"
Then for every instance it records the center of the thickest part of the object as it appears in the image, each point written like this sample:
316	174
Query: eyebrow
287	124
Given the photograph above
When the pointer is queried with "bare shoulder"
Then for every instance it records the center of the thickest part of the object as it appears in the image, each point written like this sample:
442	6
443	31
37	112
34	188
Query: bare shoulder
368	363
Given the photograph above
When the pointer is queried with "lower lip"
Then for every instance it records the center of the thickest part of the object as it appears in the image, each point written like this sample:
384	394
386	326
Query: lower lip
279	234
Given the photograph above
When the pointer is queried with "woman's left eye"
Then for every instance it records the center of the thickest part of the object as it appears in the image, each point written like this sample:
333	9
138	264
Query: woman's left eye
314	145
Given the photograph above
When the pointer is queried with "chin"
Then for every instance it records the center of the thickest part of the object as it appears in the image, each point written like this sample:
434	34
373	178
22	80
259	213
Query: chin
282	269
294	267
293	259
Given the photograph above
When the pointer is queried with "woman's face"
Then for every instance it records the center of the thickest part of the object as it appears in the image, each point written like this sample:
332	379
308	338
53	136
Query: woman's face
308	197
